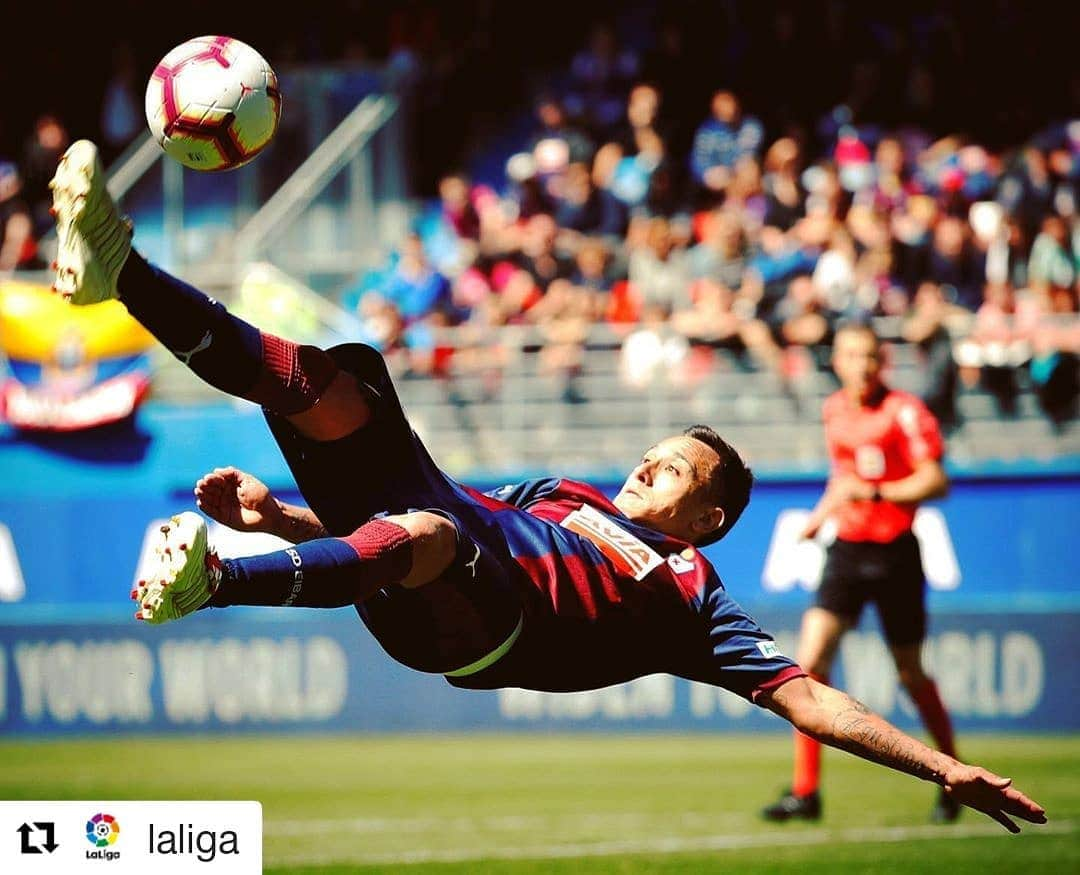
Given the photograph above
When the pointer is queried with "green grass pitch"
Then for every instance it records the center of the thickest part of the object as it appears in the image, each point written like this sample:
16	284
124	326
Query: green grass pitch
566	803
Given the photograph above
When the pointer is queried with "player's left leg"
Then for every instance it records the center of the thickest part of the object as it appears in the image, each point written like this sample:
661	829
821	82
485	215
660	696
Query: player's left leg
901	604
410	550
924	693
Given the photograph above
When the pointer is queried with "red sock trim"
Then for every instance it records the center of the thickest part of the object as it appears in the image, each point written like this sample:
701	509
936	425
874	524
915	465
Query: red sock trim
806	775
292	377
935	717
386	549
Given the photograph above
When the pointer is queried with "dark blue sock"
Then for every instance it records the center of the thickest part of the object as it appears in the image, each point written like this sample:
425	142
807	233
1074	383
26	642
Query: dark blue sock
325	573
225	351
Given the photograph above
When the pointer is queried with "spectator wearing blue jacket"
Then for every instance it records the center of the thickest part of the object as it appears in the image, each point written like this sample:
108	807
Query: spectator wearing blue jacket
720	141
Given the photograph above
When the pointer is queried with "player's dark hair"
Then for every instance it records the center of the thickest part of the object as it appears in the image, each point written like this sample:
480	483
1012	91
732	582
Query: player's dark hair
732	479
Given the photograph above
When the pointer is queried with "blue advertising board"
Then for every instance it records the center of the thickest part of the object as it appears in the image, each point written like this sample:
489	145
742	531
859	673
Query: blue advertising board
288	670
74	515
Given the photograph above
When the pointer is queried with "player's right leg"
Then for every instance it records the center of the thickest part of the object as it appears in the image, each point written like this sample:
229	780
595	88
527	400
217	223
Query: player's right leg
819	639
96	262
184	573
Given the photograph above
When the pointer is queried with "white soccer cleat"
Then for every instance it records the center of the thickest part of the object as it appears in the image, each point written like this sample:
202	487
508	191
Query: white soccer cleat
94	240
184	571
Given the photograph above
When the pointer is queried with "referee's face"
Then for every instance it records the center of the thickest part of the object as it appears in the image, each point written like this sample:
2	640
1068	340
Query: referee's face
669	489
857	362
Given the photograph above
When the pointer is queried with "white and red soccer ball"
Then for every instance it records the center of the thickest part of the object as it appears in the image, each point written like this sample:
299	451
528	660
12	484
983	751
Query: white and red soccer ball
213	103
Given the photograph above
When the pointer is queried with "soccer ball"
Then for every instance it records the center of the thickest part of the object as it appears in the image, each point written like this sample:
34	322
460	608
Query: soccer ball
213	103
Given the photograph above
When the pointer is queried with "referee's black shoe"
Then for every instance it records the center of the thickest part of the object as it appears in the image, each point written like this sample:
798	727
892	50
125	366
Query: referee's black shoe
947	809
792	807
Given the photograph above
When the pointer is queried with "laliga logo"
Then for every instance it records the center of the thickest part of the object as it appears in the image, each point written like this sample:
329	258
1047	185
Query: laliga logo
793	562
102	831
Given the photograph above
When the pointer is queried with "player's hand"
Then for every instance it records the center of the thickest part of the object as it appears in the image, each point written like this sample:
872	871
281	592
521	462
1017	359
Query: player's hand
238	500
993	795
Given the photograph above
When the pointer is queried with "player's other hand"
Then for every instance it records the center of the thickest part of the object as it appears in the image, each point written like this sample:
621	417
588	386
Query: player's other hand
992	795
238	500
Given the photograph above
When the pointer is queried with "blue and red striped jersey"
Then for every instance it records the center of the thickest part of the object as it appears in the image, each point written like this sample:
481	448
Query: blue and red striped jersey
607	600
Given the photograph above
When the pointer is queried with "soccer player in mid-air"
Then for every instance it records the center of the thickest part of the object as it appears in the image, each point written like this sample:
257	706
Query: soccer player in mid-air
545	585
886	451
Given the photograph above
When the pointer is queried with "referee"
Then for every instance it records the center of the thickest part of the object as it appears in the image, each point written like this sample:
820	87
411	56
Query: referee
885	450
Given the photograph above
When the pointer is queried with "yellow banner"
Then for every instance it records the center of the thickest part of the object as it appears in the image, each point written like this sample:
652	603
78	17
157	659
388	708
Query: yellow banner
35	324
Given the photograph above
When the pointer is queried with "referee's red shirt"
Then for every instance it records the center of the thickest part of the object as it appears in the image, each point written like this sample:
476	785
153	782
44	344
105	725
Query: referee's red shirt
879	443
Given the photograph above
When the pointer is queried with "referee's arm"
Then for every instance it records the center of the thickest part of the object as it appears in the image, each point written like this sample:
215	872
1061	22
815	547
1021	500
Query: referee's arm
927	481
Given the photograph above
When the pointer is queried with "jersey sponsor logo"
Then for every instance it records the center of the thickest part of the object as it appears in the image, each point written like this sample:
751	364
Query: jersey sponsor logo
768	649
680	565
792	561
628	554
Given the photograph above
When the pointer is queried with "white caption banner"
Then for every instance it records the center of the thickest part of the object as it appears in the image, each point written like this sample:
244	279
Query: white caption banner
117	838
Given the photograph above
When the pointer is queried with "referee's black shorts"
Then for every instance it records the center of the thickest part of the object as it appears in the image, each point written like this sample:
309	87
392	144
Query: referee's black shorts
890	575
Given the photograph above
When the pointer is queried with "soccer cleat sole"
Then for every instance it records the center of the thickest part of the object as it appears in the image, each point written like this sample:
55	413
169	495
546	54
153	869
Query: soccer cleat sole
177	581
93	241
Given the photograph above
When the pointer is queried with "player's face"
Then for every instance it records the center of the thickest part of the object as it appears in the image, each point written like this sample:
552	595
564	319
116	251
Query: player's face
669	489
857	362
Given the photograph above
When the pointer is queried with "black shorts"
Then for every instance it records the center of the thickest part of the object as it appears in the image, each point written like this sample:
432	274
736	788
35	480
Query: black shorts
474	608
889	575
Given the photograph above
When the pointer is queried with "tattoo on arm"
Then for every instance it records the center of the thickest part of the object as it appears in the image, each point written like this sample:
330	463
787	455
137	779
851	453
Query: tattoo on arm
300	524
856	729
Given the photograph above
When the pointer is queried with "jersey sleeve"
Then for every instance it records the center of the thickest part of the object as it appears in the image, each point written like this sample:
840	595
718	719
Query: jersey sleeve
521	495
920	434
741	657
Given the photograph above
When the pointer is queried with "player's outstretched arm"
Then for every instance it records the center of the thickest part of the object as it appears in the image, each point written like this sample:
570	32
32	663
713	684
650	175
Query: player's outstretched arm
834	718
243	502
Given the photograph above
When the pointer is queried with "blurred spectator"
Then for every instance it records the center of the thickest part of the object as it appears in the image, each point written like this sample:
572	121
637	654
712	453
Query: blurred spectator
614	212
457	206
601	76
952	261
527	191
414	287
721	254
927	328
1028	191
784	194
553	125
711	319
721	140
996	347
577	204
658	272
40	157
18	248
1052	262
